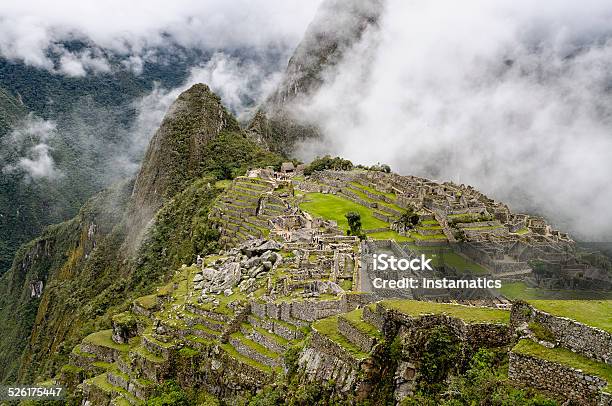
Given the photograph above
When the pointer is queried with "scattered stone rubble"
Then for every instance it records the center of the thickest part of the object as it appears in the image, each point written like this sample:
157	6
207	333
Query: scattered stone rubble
240	268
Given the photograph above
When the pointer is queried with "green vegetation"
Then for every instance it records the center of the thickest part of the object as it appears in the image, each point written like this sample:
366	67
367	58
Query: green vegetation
541	332
468	218
232	153
409	219
143	352
355	319
371	190
104	338
439	356
518	290
299	393
279	340
522	231
253	345
223	184
483	382
231	351
354	224
390	235
101	382
332	207
565	357
329	328
327	162
169	394
469	314
595	313
460	263
417	236
378	202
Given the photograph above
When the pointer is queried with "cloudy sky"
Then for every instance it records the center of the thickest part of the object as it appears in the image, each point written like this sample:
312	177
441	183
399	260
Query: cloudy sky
35	33
511	96
31	28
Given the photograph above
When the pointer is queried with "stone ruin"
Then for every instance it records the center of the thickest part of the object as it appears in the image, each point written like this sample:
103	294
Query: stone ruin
241	268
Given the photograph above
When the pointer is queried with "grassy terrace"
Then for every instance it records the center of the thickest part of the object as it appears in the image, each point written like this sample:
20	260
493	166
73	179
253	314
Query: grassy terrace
359	192
354	317
278	339
148	302
223	184
101	382
104	339
142	351
79	351
390	235
461	263
198	340
372	190
469	314
254	346
566	357
445	255
596	313
333	207
329	328
522	231
479	228
232	352
417	236
519	290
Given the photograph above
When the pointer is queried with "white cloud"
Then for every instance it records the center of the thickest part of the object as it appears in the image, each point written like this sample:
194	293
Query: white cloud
512	96
30	28
32	138
40	164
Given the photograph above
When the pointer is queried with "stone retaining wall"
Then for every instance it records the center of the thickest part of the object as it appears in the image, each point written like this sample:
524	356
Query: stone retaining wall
589	341
322	367
474	335
253	354
323	344
564	382
264	340
362	340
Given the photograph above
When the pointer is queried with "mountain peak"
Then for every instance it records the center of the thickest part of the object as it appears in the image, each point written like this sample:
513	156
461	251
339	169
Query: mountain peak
176	150
337	26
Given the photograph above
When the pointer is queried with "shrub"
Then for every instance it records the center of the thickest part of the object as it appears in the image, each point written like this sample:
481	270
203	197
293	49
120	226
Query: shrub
541	332
327	162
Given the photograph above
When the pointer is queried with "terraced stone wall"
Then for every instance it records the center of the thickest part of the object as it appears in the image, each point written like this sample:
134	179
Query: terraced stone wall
588	341
565	382
472	334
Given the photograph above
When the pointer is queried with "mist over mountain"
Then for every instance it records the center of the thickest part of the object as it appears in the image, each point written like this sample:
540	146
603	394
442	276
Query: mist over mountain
161	243
81	97
509	96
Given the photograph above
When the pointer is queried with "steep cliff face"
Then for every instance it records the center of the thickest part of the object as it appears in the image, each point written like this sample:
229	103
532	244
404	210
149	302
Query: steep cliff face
337	26
49	283
65	284
177	149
